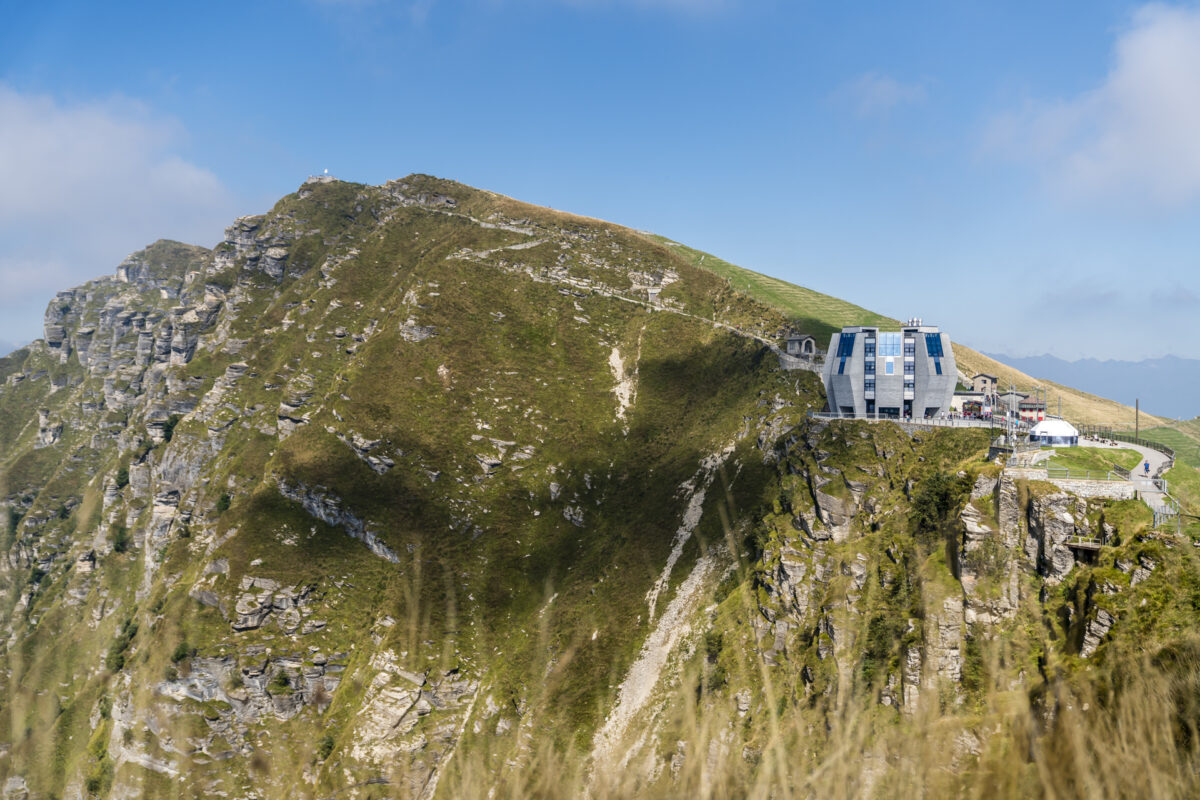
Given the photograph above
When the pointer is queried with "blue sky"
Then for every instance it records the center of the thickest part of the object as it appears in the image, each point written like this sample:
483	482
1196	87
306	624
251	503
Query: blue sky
1025	174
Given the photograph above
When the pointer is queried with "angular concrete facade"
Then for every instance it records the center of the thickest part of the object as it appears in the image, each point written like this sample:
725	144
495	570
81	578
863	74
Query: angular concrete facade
907	373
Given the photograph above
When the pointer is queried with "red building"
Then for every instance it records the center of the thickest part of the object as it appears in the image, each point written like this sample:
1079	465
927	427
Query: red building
1031	410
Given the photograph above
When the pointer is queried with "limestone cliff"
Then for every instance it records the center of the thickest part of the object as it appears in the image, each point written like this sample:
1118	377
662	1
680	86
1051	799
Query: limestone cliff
416	490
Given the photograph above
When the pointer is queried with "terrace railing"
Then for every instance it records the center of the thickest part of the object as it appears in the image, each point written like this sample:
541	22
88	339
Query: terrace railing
1082	474
1098	432
932	422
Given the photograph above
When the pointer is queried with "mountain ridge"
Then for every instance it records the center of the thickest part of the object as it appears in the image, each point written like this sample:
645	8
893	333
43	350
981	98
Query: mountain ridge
1164	384
416	490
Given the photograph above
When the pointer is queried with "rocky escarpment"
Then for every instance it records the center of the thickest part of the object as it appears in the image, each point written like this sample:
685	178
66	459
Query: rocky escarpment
839	594
309	498
418	490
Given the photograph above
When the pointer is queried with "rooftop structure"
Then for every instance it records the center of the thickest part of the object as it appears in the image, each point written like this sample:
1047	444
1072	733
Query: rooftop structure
908	373
984	383
1031	409
1054	431
1011	399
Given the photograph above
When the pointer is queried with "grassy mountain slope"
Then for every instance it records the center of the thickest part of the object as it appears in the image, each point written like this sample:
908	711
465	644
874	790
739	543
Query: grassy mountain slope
822	315
409	491
518	510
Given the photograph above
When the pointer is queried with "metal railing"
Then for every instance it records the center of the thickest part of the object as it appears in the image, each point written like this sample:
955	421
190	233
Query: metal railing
1098	432
1167	513
1087	542
1082	474
934	422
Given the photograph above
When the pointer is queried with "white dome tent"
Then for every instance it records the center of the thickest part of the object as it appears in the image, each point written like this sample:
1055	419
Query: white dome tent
1052	431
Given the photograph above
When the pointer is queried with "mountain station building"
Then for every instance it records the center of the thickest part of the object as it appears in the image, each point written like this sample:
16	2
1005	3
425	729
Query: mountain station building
890	374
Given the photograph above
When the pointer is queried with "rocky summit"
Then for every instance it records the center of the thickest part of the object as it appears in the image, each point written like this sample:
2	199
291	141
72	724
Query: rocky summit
418	491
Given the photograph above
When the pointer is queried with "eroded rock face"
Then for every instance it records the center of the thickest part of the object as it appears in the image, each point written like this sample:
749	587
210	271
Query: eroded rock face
836	513
1051	524
327	507
1008	513
944	644
367	450
984	486
795	578
1094	632
911	678
412	332
49	431
987	560
15	788
395	702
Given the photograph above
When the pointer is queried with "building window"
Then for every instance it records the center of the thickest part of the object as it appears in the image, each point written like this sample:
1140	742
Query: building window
842	367
937	365
869	367
909	368
910	347
889	367
933	344
909	386
869	385
869	349
845	345
889	344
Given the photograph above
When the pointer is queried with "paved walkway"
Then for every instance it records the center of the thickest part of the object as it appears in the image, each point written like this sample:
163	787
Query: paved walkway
1159	463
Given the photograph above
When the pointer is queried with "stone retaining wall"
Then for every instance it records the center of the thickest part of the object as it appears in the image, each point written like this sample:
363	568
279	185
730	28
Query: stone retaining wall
1114	490
792	362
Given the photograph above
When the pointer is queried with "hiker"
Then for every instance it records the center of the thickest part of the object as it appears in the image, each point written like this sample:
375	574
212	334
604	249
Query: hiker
1147	467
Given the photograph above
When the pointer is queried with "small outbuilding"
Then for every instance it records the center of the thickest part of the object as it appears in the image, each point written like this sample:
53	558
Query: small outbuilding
984	383
801	345
1054	432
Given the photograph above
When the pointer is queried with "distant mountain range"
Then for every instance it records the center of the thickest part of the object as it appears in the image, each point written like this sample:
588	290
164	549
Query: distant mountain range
1167	386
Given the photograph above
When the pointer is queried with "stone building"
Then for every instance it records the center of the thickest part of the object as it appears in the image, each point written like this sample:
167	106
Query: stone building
801	345
893	374
984	383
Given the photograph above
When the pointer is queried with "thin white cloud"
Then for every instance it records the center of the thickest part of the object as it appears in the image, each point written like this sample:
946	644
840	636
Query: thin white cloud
1135	137
84	184
876	95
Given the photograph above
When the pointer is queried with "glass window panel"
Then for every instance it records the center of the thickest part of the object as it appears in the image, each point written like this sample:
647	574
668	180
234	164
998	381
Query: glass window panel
846	345
937	365
869	367
890	367
909	367
933	343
